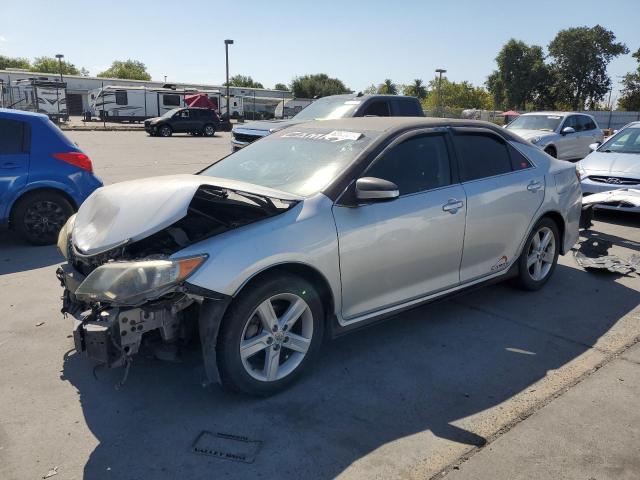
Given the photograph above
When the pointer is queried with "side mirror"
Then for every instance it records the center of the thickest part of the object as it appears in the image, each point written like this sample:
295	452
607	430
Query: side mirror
566	130
371	188
594	146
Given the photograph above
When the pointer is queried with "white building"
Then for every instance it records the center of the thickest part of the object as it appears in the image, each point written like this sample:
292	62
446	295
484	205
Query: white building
78	87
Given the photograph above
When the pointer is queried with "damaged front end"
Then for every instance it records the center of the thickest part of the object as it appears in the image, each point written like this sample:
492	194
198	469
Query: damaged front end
136	290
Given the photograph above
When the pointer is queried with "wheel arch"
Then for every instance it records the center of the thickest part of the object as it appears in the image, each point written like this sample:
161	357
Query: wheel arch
303	270
558	219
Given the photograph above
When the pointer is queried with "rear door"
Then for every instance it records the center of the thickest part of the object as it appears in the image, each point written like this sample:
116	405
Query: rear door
504	191
377	108
14	160
395	251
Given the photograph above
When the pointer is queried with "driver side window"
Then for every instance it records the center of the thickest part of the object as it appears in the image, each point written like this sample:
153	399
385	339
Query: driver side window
416	165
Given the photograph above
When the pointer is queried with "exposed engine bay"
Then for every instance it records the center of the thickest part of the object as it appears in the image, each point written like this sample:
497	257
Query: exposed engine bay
123	296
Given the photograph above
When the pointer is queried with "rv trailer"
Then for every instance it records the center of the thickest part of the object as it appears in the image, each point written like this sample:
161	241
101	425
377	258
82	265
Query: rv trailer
38	95
136	104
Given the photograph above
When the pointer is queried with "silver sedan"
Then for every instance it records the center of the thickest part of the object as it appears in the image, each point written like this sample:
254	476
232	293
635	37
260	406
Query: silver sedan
312	232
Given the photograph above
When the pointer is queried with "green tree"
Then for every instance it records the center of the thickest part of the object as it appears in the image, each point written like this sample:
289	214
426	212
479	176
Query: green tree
51	65
416	89
14	62
388	88
456	96
370	90
280	86
317	85
630	99
128	69
580	56
520	74
244	81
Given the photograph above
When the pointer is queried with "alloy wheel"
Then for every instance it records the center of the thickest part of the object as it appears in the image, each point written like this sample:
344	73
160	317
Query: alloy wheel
209	131
541	254
44	219
276	337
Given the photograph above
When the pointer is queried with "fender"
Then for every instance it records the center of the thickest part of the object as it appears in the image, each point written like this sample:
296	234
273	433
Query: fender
44	184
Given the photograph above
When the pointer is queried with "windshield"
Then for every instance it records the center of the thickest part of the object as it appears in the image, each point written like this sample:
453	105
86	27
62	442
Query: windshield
302	162
171	113
546	123
625	141
328	108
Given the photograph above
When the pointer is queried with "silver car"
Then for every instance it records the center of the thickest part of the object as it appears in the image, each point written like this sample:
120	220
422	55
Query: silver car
614	165
312	232
563	135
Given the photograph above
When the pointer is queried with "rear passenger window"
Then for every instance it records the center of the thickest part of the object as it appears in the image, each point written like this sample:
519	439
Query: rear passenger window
518	161
407	108
415	165
121	97
12	137
378	108
481	156
587	123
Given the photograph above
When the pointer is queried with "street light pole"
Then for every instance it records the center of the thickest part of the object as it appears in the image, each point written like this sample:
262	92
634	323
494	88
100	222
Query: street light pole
60	56
440	71
226	53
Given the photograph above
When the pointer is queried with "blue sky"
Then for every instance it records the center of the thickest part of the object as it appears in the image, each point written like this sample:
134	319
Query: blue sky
360	42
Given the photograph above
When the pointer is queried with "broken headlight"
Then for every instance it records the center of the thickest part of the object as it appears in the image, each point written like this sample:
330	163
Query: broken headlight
131	283
65	236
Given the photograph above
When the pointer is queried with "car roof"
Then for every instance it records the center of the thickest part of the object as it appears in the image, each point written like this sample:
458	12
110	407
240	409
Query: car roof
562	114
356	96
390	125
21	114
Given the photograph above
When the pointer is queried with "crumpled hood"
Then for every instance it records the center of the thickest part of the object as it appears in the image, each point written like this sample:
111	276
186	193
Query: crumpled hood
130	211
602	162
269	125
529	134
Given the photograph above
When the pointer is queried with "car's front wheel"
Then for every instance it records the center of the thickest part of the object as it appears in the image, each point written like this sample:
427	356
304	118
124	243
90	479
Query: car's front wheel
270	334
539	256
165	131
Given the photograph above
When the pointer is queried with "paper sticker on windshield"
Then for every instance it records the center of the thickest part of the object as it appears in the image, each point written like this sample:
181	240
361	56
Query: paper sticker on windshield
555	117
353	102
333	137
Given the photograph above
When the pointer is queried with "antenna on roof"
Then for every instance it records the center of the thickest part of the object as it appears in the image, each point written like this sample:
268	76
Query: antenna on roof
359	94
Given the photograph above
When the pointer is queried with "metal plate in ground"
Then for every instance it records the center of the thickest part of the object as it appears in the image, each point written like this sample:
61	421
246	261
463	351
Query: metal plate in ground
226	446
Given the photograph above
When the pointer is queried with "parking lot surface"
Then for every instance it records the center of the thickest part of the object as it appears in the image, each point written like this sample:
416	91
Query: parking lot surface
402	399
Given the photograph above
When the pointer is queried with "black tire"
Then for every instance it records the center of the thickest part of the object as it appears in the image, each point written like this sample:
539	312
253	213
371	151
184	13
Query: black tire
551	151
165	131
209	130
39	216
241	314
526	278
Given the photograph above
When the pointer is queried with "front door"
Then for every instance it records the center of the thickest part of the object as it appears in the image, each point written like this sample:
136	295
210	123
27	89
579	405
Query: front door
395	251
14	160
504	191
569	146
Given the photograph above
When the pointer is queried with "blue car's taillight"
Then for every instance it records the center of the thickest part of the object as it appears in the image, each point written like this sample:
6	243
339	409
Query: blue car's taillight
77	159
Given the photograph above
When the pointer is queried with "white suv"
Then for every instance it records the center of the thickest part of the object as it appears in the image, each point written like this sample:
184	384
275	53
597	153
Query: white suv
563	135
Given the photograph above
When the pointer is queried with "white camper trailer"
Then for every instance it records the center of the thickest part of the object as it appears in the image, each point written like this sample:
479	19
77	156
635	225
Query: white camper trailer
38	95
115	103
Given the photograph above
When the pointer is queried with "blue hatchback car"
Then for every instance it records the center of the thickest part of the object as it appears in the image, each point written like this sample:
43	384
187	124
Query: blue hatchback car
44	177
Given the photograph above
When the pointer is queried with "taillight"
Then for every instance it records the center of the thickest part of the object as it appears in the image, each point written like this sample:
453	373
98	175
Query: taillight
77	159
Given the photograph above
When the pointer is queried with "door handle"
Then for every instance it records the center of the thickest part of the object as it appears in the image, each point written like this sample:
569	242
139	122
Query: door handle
534	186
10	165
453	205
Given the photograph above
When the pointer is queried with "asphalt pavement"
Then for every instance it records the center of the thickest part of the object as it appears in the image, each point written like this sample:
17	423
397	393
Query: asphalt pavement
477	386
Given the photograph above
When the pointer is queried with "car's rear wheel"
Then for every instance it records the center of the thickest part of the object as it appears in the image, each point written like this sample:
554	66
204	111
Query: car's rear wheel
270	334
539	256
165	131
38	217
209	130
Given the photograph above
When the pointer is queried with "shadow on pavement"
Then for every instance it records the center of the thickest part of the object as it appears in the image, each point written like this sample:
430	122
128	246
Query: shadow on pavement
16	255
426	370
